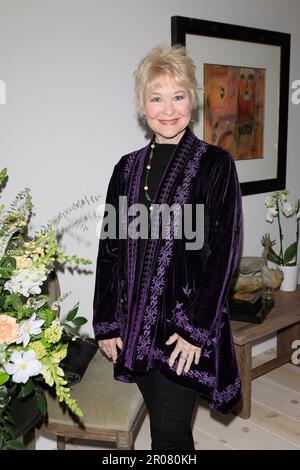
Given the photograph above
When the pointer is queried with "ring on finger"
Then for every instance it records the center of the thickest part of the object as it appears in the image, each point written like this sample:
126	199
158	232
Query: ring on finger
182	357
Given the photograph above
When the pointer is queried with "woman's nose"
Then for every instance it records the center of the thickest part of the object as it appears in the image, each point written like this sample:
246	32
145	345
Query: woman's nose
169	108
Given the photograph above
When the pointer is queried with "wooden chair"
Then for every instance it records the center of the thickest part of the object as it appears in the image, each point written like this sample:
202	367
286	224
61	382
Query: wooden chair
112	410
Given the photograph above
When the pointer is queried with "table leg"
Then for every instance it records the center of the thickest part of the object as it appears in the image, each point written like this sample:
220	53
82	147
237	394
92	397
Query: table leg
61	442
243	354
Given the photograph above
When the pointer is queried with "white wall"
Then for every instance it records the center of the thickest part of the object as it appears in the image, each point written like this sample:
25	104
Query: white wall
69	115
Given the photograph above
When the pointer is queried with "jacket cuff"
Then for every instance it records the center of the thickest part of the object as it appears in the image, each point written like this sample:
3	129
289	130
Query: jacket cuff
106	330
199	337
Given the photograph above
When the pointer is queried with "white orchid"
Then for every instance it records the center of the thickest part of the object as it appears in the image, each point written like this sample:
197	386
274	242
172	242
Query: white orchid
269	201
27	281
277	205
283	195
23	365
271	214
288	209
27	328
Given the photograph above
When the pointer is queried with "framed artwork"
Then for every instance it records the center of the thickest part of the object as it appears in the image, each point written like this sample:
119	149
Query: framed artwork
243	75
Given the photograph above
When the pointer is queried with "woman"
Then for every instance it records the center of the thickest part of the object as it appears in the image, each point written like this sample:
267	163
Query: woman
160	309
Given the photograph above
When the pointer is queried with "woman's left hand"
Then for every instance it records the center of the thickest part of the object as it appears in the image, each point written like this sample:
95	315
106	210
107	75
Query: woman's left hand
187	353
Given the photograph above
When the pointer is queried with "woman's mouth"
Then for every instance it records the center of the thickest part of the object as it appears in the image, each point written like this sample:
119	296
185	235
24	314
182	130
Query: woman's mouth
168	122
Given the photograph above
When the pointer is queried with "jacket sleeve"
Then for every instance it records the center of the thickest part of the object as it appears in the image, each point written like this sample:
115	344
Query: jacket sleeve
106	283
197	321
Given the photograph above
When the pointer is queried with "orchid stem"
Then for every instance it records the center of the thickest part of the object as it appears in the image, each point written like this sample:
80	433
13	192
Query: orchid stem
280	233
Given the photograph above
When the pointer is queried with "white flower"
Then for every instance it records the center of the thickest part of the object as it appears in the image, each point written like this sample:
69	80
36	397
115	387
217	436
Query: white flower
271	213
56	305
26	281
22	366
27	328
35	304
269	201
283	195
287	209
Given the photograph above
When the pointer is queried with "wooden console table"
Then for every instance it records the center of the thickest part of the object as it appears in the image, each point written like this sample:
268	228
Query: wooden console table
284	319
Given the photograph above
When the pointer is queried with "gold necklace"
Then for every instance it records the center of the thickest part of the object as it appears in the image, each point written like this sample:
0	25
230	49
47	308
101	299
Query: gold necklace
148	167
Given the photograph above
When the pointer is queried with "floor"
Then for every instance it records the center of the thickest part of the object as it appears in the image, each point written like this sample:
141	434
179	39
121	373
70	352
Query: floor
274	422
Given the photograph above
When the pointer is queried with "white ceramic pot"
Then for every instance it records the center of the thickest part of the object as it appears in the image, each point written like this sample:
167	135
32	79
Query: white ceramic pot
290	280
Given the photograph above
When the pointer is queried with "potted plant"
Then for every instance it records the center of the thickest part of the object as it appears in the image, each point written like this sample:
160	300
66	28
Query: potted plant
278	206
33	339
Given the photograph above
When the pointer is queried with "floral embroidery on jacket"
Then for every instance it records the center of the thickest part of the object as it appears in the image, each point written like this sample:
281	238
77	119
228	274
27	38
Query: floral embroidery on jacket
105	327
204	378
200	335
157	288
226	395
186	290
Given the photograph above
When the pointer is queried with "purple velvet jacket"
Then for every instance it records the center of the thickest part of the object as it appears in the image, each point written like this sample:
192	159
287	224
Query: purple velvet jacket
179	290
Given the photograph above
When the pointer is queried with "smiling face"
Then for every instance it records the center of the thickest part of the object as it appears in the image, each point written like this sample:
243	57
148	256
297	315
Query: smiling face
167	108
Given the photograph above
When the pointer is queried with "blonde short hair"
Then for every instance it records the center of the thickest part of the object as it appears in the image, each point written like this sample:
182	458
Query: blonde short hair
165	60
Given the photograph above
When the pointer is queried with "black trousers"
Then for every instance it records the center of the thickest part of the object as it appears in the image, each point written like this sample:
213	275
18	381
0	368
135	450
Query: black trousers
170	407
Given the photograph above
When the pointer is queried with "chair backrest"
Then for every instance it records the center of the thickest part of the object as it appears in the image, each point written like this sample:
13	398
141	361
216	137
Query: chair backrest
54	287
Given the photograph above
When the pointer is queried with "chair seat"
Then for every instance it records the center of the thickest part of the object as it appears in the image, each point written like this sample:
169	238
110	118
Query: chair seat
106	403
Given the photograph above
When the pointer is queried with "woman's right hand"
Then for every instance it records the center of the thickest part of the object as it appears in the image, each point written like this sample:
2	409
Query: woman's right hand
109	347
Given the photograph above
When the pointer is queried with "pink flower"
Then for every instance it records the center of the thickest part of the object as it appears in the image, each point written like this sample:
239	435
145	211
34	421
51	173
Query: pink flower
8	329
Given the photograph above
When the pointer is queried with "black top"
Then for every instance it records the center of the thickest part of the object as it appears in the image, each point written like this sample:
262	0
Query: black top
162	153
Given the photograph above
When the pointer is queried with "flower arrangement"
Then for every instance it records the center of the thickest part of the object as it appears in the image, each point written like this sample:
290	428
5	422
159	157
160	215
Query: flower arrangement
277	205
33	340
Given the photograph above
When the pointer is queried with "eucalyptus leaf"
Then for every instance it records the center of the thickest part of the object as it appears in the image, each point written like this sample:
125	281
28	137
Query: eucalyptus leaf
26	389
47	315
69	330
78	321
72	313
8	262
16	302
4	377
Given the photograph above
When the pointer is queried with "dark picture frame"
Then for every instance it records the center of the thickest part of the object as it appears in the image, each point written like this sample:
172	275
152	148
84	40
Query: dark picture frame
251	46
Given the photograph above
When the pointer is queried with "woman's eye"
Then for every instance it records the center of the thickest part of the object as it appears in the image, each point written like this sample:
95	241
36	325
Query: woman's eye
179	97
156	99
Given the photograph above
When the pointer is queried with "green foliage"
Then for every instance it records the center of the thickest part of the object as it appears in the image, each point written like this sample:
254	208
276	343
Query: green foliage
32	331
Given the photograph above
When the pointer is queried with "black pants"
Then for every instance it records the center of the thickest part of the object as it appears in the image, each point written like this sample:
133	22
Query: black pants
170	407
